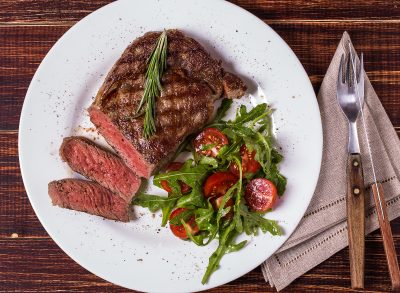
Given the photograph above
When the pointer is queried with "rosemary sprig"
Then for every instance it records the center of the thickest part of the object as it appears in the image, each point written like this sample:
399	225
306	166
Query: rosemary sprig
156	65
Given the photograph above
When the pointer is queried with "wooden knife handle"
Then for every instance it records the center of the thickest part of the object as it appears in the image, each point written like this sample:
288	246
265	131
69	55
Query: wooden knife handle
356	219
387	236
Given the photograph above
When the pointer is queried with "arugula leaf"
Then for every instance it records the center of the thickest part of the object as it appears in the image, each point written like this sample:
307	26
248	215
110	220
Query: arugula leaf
225	246
276	157
152	202
222	211
192	200
257	113
274	175
155	202
252	221
239	191
204	160
183	216
277	178
207	147
226	153
205	218
189	173
235	247
199	239
223	108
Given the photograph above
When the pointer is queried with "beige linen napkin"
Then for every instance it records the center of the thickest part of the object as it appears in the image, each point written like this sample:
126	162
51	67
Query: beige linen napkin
323	229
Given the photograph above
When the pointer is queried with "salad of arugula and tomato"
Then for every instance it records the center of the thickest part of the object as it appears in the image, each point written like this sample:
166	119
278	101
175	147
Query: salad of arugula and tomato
227	187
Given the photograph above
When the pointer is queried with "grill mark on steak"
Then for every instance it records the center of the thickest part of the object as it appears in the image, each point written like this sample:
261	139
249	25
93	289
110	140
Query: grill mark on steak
100	165
191	83
88	197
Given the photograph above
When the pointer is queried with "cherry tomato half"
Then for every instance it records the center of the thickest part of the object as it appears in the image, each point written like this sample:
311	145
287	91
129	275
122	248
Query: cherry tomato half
179	230
209	142
249	164
175	166
260	194
218	184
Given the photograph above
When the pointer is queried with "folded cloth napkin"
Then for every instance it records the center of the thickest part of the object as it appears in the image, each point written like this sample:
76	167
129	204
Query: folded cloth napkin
323	229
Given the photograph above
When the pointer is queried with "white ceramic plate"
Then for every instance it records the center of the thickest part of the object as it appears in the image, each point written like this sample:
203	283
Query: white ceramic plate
140	255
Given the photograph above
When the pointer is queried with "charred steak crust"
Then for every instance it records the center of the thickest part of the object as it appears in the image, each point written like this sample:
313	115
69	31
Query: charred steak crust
88	197
100	165
192	82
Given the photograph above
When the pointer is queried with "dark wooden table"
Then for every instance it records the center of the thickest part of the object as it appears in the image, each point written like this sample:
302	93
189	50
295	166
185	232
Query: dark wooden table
29	259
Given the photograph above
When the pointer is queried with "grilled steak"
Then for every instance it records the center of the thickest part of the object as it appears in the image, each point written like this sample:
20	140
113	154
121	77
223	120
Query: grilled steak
191	83
88	159
88	197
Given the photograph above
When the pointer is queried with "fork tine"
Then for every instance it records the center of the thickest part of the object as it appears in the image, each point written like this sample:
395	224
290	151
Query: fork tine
361	79
352	75
346	72
340	73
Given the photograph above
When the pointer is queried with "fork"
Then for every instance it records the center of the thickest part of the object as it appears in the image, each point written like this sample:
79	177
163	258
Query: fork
351	106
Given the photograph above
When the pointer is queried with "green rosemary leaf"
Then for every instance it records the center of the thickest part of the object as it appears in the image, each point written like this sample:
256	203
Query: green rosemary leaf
156	64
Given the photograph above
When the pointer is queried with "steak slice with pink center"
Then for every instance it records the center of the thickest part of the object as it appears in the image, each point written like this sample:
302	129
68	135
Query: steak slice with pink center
88	197
100	165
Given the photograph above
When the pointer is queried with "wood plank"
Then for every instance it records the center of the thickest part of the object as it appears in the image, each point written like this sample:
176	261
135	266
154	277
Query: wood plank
49	269
50	11
23	47
21	51
16	213
287	10
47	11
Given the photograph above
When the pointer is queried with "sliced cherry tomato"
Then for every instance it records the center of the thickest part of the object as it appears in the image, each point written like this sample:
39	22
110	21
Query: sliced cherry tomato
175	166
260	194
209	142
218	184
249	164
179	230
216	203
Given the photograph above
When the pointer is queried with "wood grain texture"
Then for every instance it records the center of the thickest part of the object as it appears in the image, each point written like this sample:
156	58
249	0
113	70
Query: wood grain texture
355	204
50	11
34	263
21	51
386	232
16	214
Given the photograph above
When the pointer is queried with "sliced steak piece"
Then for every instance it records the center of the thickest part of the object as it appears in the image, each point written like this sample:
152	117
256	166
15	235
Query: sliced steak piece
191	83
89	197
93	162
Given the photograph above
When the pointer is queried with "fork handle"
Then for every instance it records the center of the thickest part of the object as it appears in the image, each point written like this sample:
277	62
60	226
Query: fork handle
387	236
356	219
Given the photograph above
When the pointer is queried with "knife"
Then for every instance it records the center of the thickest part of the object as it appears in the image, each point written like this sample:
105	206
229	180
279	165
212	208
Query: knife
377	191
351	106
